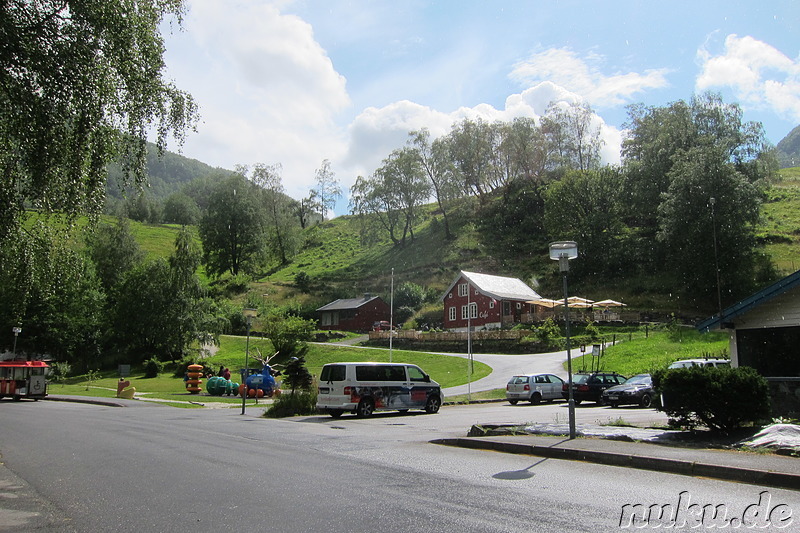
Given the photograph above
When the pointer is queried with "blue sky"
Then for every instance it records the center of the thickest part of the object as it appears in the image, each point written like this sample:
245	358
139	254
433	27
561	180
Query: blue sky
297	82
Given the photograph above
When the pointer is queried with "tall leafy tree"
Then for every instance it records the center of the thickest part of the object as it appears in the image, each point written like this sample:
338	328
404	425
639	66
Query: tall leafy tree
372	200
403	175
81	84
282	232
51	291
573	135
161	307
433	157
328	189
676	158
471	145
585	206
179	208
113	250
232	228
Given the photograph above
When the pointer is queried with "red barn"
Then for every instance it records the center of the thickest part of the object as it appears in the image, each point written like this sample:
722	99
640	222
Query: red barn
354	314
486	301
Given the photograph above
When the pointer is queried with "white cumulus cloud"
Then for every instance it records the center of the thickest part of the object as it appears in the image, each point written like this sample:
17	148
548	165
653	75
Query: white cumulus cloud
759	75
583	76
375	132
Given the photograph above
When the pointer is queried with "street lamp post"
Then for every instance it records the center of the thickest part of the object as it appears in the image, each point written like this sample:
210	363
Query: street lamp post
563	252
711	202
249	314
17	330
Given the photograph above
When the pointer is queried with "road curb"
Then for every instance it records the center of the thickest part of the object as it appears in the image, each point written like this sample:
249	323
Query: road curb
783	480
85	399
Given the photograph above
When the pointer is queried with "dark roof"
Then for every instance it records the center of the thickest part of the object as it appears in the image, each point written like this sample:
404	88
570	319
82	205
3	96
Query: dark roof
348	303
743	306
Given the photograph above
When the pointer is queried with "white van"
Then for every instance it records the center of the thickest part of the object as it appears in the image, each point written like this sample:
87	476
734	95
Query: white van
685	363
362	388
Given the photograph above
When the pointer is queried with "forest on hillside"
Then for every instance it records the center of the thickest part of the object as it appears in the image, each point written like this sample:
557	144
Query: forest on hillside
678	215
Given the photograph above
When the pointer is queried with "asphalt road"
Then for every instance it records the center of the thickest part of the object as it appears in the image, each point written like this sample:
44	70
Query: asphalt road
153	468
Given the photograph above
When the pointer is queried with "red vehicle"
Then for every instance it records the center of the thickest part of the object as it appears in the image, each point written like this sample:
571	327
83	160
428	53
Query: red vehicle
23	379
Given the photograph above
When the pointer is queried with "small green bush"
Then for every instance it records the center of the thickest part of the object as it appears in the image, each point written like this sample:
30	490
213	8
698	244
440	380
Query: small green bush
719	398
285	405
153	367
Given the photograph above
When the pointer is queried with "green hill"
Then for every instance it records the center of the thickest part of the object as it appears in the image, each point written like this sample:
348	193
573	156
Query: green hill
349	256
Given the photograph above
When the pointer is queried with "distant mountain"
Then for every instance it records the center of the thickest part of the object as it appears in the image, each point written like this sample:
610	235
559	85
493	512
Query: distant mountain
789	149
166	174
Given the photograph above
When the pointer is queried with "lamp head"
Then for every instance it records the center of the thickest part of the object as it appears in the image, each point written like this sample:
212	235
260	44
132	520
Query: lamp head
563	252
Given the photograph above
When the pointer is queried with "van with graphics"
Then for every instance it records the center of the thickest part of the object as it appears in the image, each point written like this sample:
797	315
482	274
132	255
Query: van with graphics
363	388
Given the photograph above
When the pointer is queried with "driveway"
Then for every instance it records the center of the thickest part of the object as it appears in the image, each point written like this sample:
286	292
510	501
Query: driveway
504	366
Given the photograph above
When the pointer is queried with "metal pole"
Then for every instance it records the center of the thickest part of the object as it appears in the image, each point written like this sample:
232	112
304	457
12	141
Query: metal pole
469	344
246	363
712	201
391	317
571	400
16	331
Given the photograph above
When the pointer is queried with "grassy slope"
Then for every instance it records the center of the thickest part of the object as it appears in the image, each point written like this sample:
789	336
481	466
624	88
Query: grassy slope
342	265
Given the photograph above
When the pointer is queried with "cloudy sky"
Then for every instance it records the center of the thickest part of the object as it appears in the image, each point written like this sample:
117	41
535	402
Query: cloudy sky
298	82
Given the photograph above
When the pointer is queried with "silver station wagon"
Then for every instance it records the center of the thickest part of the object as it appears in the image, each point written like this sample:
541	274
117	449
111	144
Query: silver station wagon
533	388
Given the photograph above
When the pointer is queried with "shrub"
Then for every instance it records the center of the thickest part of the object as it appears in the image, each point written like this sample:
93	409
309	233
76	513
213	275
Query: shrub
302	281
304	403
59	371
549	331
719	398
288	334
409	294
297	376
153	367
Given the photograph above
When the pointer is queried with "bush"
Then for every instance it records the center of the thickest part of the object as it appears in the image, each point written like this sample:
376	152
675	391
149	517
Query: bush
719	398
288	334
302	281
297	376
409	294
153	367
304	403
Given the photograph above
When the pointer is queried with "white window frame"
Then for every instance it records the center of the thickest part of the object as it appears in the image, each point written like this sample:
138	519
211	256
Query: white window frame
463	289
452	313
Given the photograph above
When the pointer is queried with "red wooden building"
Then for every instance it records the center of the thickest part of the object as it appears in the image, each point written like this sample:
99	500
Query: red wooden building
484	301
354	314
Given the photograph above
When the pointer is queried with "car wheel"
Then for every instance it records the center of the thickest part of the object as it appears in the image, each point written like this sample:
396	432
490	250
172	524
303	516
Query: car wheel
513	402
614	404
601	401
335	413
433	404
536	398
646	401
365	408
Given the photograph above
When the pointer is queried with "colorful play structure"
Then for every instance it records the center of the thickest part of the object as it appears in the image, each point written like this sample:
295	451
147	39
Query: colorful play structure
123	391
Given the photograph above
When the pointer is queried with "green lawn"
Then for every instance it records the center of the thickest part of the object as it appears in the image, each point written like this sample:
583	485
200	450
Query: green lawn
658	350
628	358
446	370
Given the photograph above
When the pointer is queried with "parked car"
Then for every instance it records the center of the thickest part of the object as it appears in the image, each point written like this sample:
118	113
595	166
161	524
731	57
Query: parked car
533	388
685	363
637	390
381	325
590	387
